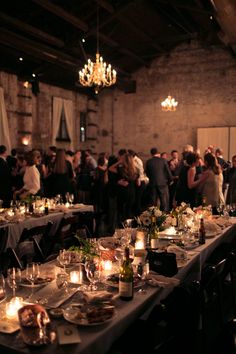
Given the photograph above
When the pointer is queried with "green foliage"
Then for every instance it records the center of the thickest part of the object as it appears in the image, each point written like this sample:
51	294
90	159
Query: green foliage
86	246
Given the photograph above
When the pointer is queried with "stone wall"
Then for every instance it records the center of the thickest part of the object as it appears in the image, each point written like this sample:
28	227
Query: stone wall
202	80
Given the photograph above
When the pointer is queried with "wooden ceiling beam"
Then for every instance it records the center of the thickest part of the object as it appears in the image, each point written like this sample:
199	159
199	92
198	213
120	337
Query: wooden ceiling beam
78	23
32	30
186	7
58	11
118	14
38	51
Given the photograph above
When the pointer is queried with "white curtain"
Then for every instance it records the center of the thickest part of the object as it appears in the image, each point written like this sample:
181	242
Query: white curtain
58	104
4	128
57	108
68	109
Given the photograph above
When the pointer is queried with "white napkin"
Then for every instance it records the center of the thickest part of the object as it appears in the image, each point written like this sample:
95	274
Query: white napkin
154	279
95	296
181	254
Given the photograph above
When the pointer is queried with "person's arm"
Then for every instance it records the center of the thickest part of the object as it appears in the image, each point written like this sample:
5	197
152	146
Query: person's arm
191	177
114	168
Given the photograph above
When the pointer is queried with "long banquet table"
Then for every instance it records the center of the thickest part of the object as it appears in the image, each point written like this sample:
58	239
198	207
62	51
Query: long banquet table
98	339
15	229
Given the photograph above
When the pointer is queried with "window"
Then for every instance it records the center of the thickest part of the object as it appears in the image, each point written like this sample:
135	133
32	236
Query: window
63	132
83	118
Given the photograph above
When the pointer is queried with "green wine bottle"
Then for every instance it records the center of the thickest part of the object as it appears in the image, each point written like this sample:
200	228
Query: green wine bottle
154	233
126	278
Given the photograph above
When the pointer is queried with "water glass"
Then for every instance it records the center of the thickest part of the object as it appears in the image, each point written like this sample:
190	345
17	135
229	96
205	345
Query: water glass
62	281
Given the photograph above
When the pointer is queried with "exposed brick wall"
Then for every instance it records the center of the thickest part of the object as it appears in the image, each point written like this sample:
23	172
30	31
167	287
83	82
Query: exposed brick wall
202	80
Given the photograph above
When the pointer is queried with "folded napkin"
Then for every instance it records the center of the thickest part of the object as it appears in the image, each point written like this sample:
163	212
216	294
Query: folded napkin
96	296
181	254
154	279
211	227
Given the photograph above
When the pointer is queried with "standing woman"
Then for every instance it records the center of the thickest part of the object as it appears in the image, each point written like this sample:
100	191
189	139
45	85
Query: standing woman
62	175
186	189
127	178
213	182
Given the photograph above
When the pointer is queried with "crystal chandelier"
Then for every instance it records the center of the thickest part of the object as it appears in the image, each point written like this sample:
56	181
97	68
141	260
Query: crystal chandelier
169	104
98	74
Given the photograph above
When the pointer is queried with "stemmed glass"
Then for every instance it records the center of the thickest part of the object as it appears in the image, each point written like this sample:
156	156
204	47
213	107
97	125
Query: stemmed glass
62	281
64	258
32	273
93	271
13	279
71	198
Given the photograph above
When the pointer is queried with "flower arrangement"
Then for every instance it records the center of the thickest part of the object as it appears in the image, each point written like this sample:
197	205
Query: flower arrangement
145	219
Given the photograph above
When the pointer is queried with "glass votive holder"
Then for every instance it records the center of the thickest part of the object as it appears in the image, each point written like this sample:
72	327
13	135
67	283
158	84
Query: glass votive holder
13	306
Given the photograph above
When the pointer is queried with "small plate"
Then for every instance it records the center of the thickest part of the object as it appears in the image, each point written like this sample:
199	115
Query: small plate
113	281
211	234
69	315
39	282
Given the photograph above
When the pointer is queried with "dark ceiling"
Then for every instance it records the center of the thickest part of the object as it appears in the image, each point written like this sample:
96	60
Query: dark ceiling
48	35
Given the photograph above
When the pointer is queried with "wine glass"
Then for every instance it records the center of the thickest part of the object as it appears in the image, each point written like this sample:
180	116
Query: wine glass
92	268
13	279
62	281
32	273
71	198
64	258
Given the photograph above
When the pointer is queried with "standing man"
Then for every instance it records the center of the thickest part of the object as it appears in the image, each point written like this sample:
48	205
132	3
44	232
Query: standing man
5	178
160	176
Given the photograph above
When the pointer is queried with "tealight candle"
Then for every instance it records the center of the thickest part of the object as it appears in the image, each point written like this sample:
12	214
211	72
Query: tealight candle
13	306
107	267
76	277
139	245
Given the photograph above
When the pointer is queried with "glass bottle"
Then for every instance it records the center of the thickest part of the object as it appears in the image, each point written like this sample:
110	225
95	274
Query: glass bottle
153	233
202	232
46	207
126	278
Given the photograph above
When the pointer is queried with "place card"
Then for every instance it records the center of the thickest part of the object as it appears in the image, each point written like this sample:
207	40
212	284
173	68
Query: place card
68	334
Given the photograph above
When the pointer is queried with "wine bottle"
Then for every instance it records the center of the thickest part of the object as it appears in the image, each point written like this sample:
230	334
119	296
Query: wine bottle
126	278
202	233
46	207
153	233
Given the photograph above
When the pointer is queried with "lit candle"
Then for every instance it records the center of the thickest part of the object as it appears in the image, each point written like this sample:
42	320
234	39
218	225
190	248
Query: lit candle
76	277
139	245
67	205
107	267
13	306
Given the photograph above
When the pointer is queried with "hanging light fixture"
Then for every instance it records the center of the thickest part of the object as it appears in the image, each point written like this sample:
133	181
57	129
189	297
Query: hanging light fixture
98	73
169	104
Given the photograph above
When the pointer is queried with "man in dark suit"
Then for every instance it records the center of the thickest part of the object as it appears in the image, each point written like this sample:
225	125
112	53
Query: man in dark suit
5	178
160	176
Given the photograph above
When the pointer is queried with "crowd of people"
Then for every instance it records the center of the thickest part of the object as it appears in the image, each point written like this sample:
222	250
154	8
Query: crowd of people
122	186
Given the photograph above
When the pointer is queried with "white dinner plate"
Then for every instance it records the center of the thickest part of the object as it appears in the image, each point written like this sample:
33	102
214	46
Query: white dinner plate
41	282
115	284
69	315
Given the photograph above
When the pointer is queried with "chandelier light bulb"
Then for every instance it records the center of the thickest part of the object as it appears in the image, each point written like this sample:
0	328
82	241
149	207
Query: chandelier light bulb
169	104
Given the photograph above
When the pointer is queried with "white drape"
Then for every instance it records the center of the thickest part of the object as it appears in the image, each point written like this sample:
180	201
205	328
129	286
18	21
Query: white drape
4	128
58	104
68	109
57	108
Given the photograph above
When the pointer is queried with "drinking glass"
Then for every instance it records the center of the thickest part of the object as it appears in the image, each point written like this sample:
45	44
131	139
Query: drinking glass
13	279
32	273
64	258
71	198
62	281
93	271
